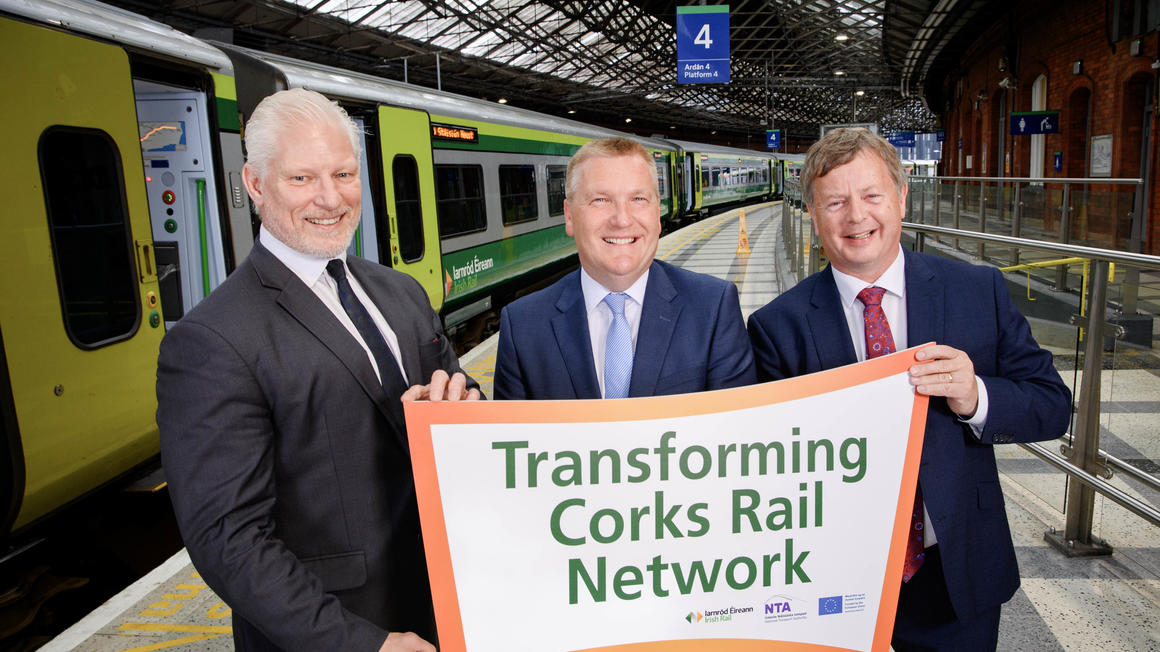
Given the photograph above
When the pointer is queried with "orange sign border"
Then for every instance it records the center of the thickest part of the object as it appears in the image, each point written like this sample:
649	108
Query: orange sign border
422	415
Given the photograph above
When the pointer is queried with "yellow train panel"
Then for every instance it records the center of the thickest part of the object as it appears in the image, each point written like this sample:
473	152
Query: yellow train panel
85	415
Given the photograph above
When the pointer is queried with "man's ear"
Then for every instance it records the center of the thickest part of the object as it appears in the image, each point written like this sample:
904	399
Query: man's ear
568	218
253	184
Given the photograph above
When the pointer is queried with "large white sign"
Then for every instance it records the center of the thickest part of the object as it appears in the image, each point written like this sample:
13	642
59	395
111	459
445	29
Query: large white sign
723	520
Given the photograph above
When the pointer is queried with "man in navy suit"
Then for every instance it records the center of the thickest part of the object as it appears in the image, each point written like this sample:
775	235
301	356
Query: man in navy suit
685	328
989	381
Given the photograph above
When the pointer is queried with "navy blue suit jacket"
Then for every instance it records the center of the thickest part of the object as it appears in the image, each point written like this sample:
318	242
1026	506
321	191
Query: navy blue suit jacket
691	339
967	307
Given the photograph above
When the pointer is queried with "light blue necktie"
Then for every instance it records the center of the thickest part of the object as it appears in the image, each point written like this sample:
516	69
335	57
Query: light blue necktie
617	349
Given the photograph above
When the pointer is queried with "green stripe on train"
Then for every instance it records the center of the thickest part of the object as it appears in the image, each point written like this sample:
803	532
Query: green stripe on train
475	269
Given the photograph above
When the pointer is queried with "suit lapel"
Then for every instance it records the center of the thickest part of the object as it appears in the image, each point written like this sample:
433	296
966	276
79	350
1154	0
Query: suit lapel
305	307
828	326
570	326
658	320
924	302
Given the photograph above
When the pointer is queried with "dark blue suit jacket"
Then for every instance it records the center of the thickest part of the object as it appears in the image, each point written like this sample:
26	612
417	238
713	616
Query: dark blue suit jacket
967	307
691	339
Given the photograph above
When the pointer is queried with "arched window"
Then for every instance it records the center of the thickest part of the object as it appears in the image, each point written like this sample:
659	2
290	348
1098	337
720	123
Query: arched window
1038	103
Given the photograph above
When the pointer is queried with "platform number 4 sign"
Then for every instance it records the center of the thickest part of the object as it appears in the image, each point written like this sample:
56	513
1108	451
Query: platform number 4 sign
703	44
704	37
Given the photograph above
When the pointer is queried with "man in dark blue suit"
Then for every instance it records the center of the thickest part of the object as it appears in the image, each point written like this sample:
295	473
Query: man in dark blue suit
989	381
624	324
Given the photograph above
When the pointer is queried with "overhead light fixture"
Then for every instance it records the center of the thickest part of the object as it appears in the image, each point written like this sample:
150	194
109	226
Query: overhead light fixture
839	73
672	126
859	92
714	132
628	119
571	111
842	36
502	100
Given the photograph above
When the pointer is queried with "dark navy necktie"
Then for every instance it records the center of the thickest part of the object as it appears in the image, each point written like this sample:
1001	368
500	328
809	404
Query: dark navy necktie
880	341
389	374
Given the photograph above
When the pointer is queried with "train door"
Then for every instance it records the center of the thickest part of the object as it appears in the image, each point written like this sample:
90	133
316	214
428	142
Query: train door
698	183
409	188
173	125
365	243
80	320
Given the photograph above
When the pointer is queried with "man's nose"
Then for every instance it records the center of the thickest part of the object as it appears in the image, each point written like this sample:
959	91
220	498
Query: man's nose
859	210
328	195
622	212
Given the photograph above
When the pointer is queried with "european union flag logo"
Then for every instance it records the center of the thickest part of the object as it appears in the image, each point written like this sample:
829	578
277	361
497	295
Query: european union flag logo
830	605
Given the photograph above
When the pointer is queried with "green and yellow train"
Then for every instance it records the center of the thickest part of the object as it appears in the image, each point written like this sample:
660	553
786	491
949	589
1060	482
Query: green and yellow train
122	159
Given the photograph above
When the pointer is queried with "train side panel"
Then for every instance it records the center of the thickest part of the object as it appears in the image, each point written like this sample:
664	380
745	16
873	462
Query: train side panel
81	318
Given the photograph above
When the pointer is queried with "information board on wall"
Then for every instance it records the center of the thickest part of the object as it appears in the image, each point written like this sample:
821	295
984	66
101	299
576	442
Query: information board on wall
715	521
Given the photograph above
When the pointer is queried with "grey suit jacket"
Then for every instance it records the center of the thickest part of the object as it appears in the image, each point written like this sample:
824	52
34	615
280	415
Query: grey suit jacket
288	463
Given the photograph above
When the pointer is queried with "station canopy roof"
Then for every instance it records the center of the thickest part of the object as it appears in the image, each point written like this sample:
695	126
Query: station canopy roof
795	64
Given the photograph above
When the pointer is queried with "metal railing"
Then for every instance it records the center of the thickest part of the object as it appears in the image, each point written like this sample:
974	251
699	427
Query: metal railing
1106	213
1087	467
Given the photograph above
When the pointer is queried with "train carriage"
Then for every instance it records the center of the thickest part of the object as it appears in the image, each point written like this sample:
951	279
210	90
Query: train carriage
123	157
122	161
472	192
715	176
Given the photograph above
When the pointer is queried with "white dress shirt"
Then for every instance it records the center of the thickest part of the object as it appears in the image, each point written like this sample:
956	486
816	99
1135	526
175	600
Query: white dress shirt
600	315
312	271
893	280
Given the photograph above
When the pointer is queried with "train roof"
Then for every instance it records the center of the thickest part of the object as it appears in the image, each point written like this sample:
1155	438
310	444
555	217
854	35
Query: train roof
703	148
120	26
337	82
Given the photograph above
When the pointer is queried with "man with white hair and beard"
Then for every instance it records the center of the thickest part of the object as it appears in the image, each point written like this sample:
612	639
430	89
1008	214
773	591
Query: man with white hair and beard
279	405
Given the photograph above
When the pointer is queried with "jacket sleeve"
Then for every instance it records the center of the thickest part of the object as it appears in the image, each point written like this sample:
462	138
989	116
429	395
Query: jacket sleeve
508	382
730	354
218	439
1027	399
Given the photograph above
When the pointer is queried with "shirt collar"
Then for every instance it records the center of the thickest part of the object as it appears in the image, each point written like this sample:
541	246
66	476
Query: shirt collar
306	267
893	280
594	292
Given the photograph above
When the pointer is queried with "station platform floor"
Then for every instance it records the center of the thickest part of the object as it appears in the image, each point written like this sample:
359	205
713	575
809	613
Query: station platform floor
1097	603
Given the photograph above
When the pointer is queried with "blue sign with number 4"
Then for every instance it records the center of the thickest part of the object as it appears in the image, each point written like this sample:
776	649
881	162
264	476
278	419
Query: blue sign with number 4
703	44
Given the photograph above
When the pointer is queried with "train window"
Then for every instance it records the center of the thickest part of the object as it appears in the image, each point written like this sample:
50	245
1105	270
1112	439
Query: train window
556	177
705	177
92	243
459	193
662	177
716	180
408	208
517	194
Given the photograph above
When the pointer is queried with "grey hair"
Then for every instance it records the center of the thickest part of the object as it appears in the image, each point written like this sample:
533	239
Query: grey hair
606	148
839	147
283	110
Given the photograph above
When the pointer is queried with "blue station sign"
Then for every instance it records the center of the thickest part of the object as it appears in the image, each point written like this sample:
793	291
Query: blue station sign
901	138
1029	123
773	139
703	44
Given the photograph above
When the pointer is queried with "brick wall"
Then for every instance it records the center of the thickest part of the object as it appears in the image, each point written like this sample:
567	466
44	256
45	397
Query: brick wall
1045	38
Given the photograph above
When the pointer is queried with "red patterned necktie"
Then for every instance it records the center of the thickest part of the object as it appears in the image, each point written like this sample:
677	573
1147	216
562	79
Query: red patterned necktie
879	341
